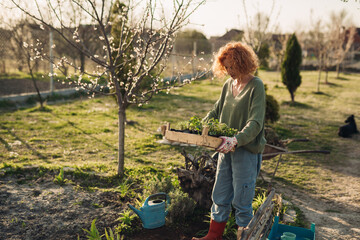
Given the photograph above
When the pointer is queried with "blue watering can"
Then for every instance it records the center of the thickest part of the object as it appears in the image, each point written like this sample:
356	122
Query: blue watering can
153	212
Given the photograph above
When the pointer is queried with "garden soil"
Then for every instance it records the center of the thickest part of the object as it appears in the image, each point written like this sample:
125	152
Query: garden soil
40	209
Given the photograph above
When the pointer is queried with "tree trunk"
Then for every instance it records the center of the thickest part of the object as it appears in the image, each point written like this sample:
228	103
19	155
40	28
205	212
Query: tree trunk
326	76
34	82
121	153
292	96
337	70
3	66
82	62
37	90
318	85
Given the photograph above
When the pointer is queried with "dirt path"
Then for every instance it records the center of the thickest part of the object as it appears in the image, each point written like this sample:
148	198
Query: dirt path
335	206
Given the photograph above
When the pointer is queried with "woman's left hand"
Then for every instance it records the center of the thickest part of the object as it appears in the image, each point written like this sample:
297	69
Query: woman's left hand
228	144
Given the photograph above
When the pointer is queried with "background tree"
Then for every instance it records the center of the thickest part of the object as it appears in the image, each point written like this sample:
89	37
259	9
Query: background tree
152	35
5	35
277	49
342	37
317	44
28	48
184	42
264	55
259	30
290	68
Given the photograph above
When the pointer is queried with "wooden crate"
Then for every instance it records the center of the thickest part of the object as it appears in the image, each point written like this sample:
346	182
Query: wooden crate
200	140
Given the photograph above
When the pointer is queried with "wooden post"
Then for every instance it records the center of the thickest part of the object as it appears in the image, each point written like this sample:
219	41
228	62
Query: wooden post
163	129
257	223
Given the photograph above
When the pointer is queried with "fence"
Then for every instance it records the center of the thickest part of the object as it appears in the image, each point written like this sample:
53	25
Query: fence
189	56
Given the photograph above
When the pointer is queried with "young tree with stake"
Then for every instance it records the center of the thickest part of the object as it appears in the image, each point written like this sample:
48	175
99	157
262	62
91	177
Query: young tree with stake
151	37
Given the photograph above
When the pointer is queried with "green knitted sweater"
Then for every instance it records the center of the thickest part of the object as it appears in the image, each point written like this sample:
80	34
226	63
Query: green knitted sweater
245	112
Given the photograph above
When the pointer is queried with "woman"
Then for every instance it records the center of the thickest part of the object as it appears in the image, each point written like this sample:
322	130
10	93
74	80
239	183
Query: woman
241	106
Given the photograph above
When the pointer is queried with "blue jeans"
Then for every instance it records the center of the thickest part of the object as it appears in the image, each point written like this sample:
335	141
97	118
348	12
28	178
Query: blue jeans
235	184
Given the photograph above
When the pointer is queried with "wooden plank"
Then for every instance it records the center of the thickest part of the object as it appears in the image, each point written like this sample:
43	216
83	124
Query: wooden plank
200	140
260	226
247	233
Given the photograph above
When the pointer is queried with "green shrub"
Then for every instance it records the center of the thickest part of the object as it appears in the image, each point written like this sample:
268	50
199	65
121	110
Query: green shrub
181	207
159	183
272	109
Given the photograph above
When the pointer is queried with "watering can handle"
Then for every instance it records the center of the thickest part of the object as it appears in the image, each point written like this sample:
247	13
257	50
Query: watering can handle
157	195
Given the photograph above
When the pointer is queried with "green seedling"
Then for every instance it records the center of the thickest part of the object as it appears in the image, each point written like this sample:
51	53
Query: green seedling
93	233
59	179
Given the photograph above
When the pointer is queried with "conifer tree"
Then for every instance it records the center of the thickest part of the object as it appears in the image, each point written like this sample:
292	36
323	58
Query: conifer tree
290	67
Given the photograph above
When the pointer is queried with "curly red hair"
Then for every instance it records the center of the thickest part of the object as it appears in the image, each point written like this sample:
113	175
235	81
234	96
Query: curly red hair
243	56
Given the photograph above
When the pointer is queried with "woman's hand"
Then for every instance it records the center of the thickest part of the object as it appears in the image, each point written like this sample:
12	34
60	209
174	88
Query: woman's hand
228	144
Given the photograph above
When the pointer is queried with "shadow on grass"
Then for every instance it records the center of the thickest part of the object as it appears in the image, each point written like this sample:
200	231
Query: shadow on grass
33	150
72	124
330	84
342	78
297	105
322	94
41	109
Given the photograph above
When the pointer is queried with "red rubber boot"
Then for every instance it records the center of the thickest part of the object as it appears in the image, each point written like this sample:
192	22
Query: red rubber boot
216	231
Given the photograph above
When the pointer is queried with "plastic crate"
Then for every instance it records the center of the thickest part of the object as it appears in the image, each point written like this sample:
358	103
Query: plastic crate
278	229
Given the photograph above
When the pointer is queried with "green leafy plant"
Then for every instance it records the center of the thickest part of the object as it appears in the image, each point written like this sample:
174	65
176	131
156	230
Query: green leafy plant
126	219
196	125
219	129
111	236
231	227
125	189
93	233
258	200
60	179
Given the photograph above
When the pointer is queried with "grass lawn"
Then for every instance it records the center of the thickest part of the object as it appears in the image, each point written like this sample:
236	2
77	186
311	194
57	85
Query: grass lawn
83	133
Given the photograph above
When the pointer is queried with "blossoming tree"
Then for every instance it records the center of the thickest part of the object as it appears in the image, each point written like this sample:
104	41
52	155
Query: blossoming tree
143	42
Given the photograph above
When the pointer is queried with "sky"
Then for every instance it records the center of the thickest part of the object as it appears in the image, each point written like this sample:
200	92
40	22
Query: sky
215	17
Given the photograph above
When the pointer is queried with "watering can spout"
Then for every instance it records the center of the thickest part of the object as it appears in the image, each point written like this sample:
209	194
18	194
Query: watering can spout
138	212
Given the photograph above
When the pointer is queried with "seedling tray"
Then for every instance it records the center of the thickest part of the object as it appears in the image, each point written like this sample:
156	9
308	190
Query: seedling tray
278	229
202	139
